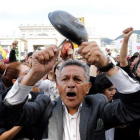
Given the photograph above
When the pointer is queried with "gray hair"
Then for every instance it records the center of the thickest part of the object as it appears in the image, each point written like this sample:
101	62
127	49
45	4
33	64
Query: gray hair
76	63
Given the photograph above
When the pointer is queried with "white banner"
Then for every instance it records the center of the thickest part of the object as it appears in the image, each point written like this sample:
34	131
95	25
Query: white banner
118	43
135	47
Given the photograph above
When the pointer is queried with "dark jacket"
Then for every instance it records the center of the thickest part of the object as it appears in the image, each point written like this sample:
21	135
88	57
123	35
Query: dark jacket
12	56
97	115
2	86
27	131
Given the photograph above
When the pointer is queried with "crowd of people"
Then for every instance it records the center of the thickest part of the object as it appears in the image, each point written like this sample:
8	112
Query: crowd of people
52	95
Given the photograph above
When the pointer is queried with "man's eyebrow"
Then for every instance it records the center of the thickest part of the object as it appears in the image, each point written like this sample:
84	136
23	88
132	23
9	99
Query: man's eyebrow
64	76
78	76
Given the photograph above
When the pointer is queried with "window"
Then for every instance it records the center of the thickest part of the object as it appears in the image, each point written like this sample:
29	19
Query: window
23	31
30	31
46	30
38	31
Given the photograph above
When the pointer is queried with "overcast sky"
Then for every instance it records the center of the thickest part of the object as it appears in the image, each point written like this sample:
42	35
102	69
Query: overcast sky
108	17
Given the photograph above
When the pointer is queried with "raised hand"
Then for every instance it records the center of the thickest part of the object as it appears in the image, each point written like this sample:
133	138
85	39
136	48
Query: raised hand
93	54
42	62
127	33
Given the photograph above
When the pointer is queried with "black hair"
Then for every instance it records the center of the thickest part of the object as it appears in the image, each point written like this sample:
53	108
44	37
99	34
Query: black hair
29	54
101	83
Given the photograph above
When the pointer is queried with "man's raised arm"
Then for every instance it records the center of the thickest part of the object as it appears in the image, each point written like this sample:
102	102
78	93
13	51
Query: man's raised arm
93	54
42	63
122	111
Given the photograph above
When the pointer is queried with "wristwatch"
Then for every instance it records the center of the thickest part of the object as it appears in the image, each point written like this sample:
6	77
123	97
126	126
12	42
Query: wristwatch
107	68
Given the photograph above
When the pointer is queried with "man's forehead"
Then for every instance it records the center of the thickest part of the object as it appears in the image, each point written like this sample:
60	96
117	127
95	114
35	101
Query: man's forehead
76	70
72	67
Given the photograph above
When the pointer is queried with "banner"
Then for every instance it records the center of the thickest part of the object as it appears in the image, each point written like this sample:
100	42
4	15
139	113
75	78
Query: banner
118	43
135	47
3	52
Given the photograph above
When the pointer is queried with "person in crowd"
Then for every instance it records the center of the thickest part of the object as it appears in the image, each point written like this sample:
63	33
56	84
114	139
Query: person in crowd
75	115
29	58
104	86
117	60
123	52
124	64
12	71
7	80
131	130
134	56
12	55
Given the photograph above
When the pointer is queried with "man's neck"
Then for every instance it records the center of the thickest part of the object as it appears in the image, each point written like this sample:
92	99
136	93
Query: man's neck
72	111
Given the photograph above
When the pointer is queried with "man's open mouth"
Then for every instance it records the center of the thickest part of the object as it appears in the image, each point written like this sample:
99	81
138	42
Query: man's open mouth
71	94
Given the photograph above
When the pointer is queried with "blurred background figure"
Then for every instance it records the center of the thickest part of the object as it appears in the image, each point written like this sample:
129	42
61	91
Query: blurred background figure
12	55
29	58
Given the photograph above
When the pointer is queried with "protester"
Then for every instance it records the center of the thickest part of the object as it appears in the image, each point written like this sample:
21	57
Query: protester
12	71
104	86
7	80
12	56
117	60
123	56
29	58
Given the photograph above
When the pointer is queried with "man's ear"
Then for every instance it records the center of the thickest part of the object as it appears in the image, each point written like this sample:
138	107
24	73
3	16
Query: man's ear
89	85
14	80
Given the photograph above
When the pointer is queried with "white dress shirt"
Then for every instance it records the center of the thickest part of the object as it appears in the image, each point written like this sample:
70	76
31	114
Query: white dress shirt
71	124
109	134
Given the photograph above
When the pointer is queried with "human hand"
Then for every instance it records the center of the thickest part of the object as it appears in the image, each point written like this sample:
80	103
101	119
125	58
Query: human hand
108	51
14	44
127	33
42	62
93	54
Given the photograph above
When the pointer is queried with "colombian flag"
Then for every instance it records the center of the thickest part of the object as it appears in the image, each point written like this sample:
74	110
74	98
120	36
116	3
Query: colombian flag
3	53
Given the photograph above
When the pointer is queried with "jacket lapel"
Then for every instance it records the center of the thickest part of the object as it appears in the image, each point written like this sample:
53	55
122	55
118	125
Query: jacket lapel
58	115
84	117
